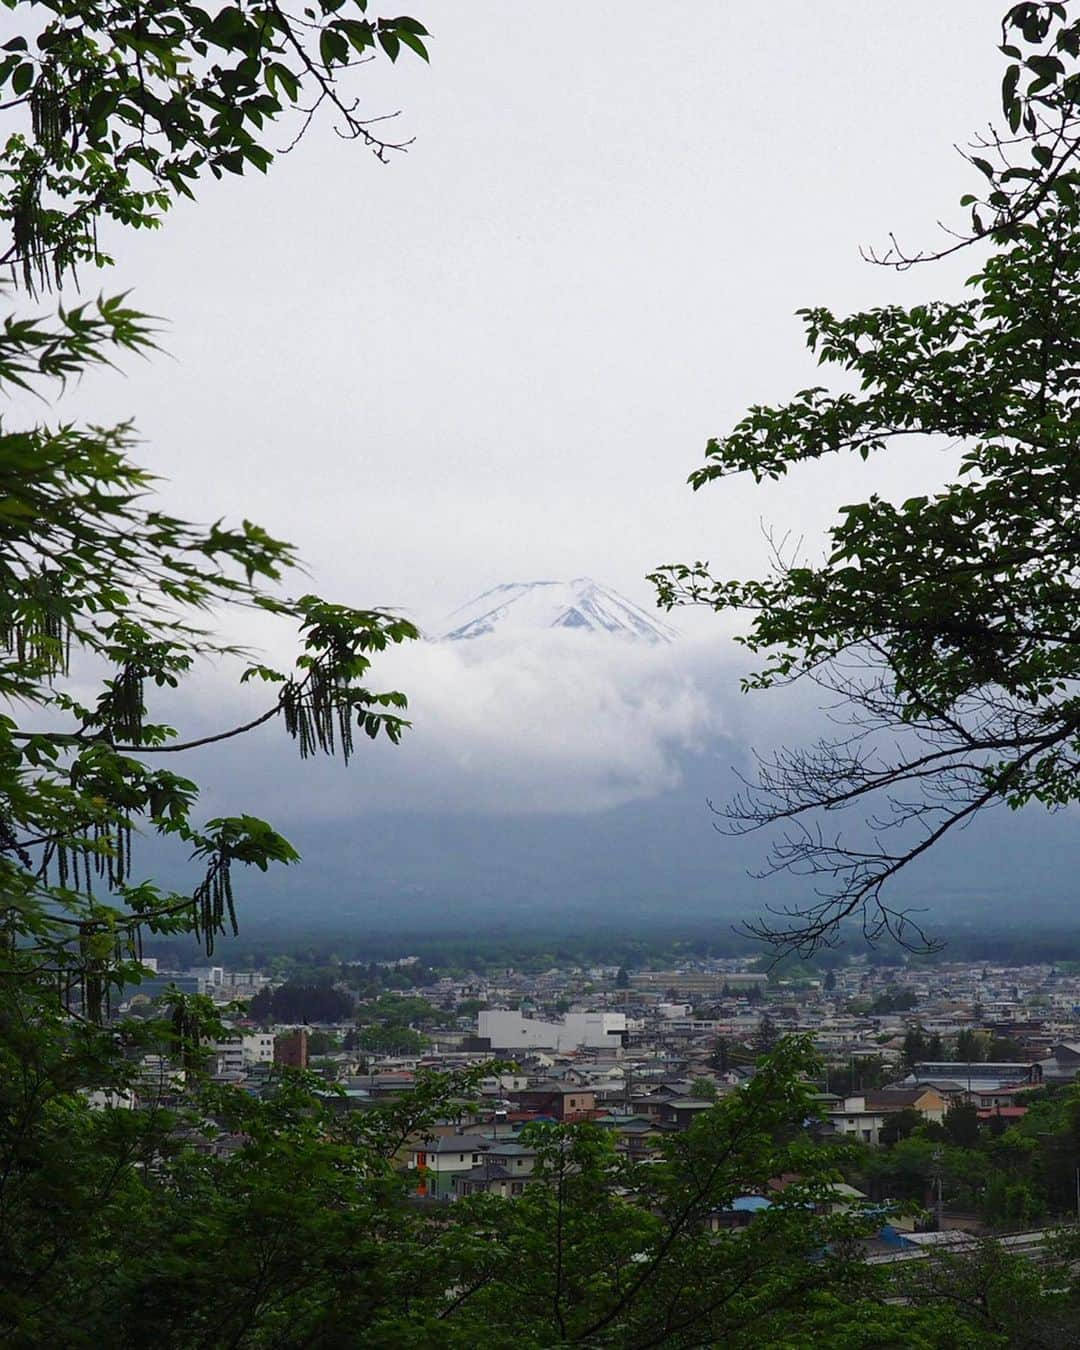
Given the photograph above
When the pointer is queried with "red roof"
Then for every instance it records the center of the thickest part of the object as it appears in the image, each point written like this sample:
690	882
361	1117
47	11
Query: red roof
1003	1113
784	1180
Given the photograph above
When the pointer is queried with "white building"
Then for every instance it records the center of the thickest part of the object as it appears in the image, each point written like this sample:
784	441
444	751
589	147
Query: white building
436	1161
258	1048
228	1057
506	1030
498	1085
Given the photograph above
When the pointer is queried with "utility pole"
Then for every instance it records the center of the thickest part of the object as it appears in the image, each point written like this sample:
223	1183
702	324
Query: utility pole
939	1207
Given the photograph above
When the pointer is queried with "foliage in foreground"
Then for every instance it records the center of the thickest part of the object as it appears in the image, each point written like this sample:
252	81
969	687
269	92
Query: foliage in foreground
117	1227
107	601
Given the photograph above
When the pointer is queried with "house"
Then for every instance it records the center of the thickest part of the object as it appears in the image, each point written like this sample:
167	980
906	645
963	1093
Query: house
1000	1098
738	1214
839	1197
1063	1064
503	1170
258	1048
1009	1114
864	1117
488	1178
436	1161
974	1077
501	1029
853	1119
560	1101
927	1100
650	1104
681	1112
291	1049
635	1136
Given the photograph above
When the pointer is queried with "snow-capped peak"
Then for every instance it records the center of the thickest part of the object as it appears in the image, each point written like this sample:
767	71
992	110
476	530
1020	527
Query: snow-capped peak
581	605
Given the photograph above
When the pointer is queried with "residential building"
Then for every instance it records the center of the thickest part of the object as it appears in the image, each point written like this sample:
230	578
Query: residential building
560	1101
712	982
503	1030
291	1049
437	1161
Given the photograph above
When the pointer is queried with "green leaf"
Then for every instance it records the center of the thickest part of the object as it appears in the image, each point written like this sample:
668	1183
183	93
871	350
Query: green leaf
22	79
414	43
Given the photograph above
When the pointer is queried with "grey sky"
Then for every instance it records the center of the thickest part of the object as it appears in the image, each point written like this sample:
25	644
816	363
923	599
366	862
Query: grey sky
499	356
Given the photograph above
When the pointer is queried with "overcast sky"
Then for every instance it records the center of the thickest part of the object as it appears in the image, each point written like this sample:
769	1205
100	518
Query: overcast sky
499	356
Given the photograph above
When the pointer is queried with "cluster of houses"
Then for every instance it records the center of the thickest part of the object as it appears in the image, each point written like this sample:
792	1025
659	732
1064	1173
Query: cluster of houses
642	1055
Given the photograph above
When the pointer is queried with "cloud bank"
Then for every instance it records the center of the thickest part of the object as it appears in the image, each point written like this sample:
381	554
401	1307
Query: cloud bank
549	722
553	722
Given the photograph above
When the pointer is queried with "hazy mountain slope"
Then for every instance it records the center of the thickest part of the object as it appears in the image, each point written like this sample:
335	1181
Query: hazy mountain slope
645	860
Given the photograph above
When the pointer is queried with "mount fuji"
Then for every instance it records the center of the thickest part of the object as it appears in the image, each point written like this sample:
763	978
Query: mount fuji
581	605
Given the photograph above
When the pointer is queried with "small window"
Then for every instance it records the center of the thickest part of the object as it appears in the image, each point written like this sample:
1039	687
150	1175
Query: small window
461	1157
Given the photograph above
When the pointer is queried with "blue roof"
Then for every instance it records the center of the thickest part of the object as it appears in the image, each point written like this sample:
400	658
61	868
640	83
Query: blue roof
749	1204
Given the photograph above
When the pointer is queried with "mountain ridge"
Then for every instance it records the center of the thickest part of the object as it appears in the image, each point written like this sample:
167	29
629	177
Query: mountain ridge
578	605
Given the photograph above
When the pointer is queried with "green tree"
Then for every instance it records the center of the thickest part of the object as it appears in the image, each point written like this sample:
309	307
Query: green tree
107	601
905	1171
945	624
962	1124
122	108
297	1002
1010	1204
970	1046
602	1251
767	1036
1003	1299
720	1055
391	1040
396	1010
323	1043
104	593
899	1124
916	1046
894	1000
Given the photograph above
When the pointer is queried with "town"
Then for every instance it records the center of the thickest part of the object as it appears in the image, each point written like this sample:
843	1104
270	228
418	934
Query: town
948	1079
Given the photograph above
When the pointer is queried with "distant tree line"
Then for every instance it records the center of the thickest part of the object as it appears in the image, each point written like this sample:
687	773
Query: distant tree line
301	1003
970	1046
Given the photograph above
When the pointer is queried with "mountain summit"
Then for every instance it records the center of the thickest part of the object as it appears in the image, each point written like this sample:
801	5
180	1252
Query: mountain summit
581	605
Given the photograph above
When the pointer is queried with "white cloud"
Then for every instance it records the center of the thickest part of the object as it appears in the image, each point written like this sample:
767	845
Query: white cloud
552	722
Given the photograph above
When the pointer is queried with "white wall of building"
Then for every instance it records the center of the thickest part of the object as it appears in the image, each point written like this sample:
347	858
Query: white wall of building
512	1031
258	1048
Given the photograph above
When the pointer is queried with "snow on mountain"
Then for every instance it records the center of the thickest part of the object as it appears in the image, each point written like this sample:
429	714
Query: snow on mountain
580	605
